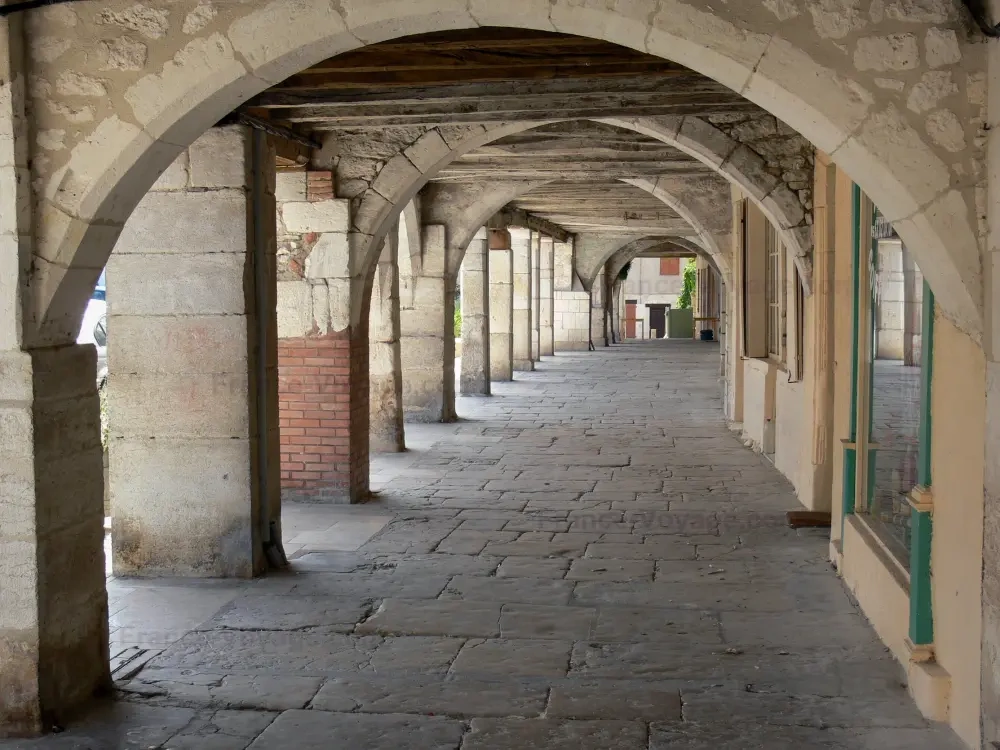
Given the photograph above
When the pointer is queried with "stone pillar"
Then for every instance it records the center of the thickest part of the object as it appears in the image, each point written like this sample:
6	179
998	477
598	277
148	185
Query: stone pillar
520	242
536	256
54	618
990	674
475	379
598	314
385	374
323	378
54	604
428	337
186	473
501	306
546	340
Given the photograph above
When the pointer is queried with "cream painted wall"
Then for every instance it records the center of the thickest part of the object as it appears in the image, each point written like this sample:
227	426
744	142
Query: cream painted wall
793	435
958	433
758	400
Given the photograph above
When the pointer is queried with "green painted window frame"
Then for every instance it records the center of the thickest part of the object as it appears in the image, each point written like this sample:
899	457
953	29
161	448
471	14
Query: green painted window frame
921	620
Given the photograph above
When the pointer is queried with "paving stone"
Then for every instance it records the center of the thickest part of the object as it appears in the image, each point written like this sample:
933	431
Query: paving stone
707	572
462	542
621	700
264	612
554	734
536	621
255	692
433	617
636	624
430	696
567	548
418	654
532	567
507	590
112	725
246	652
320	730
512	658
436	565
659	548
718	705
373	586
610	570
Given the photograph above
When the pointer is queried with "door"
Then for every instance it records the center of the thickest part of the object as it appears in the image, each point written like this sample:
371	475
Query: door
657	321
630	319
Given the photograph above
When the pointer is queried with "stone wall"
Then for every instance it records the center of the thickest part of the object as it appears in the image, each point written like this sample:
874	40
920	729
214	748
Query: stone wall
572	321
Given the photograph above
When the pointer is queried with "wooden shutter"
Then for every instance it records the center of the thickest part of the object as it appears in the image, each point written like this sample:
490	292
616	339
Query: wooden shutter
754	268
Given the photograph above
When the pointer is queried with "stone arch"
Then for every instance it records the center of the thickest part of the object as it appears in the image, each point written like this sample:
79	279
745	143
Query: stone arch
463	208
739	163
823	84
628	253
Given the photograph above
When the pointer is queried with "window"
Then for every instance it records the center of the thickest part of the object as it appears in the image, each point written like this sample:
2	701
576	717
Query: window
775	293
765	290
670	266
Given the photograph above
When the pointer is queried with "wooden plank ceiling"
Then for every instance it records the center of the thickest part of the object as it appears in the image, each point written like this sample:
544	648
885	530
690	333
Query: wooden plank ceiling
489	75
506	75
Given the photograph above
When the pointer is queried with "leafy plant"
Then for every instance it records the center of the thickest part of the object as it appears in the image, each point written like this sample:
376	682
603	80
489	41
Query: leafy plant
623	273
102	393
458	322
690	277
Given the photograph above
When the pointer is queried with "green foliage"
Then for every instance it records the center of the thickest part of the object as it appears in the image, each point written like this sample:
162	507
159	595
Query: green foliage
623	274
102	392
690	276
458	322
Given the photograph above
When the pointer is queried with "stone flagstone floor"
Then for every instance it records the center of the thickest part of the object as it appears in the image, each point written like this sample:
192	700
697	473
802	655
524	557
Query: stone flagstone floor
587	560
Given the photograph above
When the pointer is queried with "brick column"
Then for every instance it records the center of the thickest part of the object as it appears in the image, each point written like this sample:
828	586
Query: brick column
501	306
428	337
536	253
546	337
520	240
322	356
385	374
475	377
186	481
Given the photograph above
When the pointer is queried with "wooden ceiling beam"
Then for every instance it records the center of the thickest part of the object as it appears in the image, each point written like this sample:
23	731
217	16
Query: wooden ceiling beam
512	216
584	83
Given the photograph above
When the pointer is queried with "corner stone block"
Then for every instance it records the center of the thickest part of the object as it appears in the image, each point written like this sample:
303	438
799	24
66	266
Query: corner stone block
319	216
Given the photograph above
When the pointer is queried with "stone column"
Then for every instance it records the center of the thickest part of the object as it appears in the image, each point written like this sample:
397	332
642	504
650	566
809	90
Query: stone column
428	337
598	314
546	340
520	242
501	306
54	611
536	255
990	697
186	469
475	379
385	374
54	618
323	377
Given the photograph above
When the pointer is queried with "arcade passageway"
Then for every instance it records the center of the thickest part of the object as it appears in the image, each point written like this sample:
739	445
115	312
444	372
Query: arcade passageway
589	560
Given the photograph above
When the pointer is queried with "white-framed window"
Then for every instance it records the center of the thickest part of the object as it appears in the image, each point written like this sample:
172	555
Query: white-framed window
775	293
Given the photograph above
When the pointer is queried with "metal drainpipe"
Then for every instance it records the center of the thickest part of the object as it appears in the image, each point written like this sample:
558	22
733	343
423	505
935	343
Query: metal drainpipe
270	538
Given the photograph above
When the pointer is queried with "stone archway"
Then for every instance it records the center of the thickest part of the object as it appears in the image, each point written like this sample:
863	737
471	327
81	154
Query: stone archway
823	84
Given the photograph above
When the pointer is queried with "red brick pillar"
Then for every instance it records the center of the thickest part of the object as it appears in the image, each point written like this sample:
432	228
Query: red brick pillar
323	416
322	351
